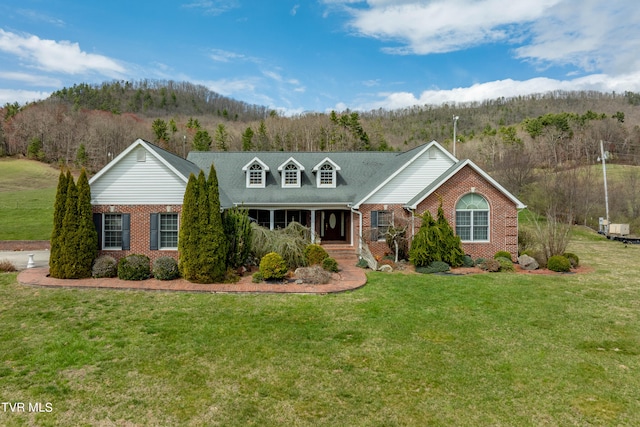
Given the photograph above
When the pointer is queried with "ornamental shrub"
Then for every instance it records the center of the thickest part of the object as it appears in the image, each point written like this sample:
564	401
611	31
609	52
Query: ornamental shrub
490	265
104	266
502	254
257	277
273	267
505	264
165	268
573	259
315	254
434	267
330	264
134	267
467	261
558	263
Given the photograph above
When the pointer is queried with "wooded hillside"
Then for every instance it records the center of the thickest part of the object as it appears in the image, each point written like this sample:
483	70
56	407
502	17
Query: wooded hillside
526	143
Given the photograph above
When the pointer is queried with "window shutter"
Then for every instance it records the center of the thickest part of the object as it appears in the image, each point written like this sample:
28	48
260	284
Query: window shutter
126	232
97	222
153	231
374	226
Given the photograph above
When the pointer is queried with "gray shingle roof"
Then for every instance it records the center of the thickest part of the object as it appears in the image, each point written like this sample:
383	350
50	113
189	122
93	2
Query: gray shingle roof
360	173
183	166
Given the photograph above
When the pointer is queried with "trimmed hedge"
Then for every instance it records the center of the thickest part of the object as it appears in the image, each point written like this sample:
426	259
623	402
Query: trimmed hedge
315	254
165	268
330	264
559	263
273	267
134	267
104	266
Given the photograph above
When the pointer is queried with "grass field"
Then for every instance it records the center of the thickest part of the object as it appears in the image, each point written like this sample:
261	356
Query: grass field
27	194
488	349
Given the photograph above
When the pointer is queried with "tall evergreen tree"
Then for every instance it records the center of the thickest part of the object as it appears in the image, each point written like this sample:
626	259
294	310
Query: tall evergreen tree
247	139
188	240
87	237
216	231
58	215
68	236
451	246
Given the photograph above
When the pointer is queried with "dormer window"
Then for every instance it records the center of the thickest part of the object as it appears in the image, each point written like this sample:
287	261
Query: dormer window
326	173
256	172
256	176
327	176
291	173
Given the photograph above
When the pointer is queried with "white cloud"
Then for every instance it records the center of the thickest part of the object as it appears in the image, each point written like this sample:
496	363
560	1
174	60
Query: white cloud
57	56
212	7
503	88
594	35
30	79
21	96
220	55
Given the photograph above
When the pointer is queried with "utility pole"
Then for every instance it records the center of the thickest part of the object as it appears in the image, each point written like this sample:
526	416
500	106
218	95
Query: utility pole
606	194
455	125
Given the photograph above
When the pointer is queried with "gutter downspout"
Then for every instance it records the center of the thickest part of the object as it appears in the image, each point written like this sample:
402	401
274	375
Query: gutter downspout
359	229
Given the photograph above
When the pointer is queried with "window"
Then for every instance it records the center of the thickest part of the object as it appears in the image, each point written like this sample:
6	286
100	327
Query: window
327	175
112	231
472	218
168	231
291	176
380	223
255	175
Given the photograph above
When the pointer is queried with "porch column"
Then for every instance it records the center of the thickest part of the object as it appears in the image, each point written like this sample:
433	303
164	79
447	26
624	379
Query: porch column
272	219
313	225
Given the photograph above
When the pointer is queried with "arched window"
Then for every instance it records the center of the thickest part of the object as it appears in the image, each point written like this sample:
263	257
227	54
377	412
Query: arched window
472	218
327	175
256	176
291	176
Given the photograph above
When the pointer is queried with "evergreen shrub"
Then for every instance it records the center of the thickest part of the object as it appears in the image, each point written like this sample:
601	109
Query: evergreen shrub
165	268
502	254
434	267
257	277
330	264
505	264
362	263
104	266
273	267
559	263
573	259
315	254
467	261
134	267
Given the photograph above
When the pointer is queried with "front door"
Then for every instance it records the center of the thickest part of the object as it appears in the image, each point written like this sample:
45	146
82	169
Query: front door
333	225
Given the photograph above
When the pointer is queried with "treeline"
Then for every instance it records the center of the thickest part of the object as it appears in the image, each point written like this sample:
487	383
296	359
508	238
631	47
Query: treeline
152	98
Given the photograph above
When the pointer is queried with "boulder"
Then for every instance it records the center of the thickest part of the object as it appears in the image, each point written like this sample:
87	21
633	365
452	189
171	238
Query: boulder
527	262
386	268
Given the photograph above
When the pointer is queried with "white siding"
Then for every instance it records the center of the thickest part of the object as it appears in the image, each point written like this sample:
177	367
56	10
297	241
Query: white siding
130	182
413	179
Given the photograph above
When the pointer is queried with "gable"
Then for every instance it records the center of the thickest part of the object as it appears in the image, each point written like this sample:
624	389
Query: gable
139	176
412	176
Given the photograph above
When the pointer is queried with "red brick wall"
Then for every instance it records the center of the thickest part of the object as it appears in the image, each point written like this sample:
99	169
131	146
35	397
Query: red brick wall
139	239
503	215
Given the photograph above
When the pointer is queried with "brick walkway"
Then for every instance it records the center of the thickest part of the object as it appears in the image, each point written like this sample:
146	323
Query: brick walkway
348	278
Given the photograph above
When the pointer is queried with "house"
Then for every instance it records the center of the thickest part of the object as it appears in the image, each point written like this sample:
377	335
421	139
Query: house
346	198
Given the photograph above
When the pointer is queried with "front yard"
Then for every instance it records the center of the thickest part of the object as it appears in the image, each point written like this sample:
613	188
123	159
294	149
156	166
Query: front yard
486	349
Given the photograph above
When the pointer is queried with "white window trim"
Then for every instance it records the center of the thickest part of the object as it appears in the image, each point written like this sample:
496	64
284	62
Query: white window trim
283	171
246	168
160	247
317	169
471	226
104	232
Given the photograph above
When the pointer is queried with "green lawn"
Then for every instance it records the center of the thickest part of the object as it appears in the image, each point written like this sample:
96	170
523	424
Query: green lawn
27	194
489	349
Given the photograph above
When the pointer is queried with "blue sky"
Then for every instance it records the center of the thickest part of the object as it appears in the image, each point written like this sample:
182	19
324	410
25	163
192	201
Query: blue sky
317	55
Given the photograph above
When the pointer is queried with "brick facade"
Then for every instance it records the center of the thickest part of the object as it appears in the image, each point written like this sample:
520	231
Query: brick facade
140	229
503	215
